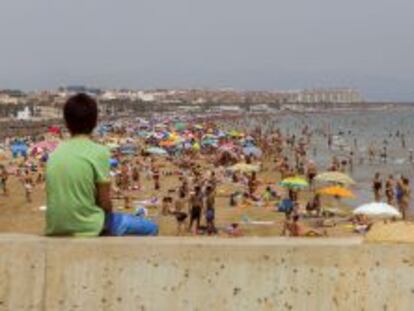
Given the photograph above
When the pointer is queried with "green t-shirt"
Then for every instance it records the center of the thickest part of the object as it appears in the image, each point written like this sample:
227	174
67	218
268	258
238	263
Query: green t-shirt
73	170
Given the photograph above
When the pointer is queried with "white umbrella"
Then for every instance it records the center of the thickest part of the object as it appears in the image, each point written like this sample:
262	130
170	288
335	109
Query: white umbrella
377	210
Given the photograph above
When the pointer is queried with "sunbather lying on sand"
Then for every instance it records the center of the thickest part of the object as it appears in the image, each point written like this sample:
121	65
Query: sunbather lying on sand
293	228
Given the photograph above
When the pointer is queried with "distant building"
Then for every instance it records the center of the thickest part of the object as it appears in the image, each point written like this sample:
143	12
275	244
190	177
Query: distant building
333	96
24	114
8	99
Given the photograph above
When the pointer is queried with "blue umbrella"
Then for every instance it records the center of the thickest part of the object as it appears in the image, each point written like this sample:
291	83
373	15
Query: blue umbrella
252	151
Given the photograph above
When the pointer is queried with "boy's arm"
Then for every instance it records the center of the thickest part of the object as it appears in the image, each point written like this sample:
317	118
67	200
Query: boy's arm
103	196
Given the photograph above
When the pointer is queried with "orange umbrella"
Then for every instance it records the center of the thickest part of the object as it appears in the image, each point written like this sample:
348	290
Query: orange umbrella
167	143
337	192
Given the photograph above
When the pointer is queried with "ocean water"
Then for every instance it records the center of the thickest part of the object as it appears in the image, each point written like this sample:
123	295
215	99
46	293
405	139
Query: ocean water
356	131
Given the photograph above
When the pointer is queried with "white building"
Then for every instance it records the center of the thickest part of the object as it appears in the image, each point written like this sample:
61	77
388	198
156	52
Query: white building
24	114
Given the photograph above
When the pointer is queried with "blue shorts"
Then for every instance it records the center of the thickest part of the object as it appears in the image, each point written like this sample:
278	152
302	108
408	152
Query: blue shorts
120	224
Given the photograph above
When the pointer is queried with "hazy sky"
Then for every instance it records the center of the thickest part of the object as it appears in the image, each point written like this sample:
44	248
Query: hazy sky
245	44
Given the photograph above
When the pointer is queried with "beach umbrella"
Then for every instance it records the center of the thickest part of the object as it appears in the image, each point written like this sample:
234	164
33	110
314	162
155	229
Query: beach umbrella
143	134
235	134
128	149
180	126
209	142
377	210
112	146
335	177
337	192
156	151
167	143
252	151
244	168
294	183
44	146
198	127
227	147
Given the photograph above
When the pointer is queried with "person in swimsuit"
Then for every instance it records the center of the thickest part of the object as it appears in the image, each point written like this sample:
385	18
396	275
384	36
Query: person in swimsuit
377	187
196	208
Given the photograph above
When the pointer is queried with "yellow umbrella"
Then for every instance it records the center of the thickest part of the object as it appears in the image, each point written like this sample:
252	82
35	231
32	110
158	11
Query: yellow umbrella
337	192
294	183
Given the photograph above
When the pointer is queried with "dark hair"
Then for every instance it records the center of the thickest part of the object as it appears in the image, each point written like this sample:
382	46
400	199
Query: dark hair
81	114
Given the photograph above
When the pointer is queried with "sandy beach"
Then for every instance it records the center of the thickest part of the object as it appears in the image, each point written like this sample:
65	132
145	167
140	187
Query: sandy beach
352	131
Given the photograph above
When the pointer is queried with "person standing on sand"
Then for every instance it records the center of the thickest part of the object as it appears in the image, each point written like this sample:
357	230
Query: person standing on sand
4	176
78	182
196	208
28	185
389	189
180	205
405	197
311	173
210	210
377	187
156	176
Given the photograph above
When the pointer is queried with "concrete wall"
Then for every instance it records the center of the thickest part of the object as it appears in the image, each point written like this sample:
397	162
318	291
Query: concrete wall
203	274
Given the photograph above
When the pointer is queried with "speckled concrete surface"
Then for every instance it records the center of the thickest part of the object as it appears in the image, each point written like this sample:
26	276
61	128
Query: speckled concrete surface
204	274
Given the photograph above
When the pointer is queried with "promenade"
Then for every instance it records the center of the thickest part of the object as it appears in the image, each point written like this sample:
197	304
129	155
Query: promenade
169	273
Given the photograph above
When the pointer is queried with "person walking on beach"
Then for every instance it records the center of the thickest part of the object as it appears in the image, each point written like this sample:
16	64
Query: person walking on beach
371	154
78	184
377	187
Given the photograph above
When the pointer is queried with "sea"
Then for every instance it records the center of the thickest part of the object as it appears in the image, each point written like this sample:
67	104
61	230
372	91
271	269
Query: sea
355	131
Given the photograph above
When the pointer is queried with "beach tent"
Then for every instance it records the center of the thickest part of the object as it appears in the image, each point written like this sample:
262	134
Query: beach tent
19	148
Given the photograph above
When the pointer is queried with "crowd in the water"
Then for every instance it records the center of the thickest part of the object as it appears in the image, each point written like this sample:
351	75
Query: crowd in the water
222	156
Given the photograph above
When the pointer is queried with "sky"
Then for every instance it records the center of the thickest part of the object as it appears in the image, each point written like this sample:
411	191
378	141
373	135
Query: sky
240	44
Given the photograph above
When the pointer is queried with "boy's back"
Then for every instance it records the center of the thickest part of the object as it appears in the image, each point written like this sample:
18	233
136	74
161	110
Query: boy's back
72	173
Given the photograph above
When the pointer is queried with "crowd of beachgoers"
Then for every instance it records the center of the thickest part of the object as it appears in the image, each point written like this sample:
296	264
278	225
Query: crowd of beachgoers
225	175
